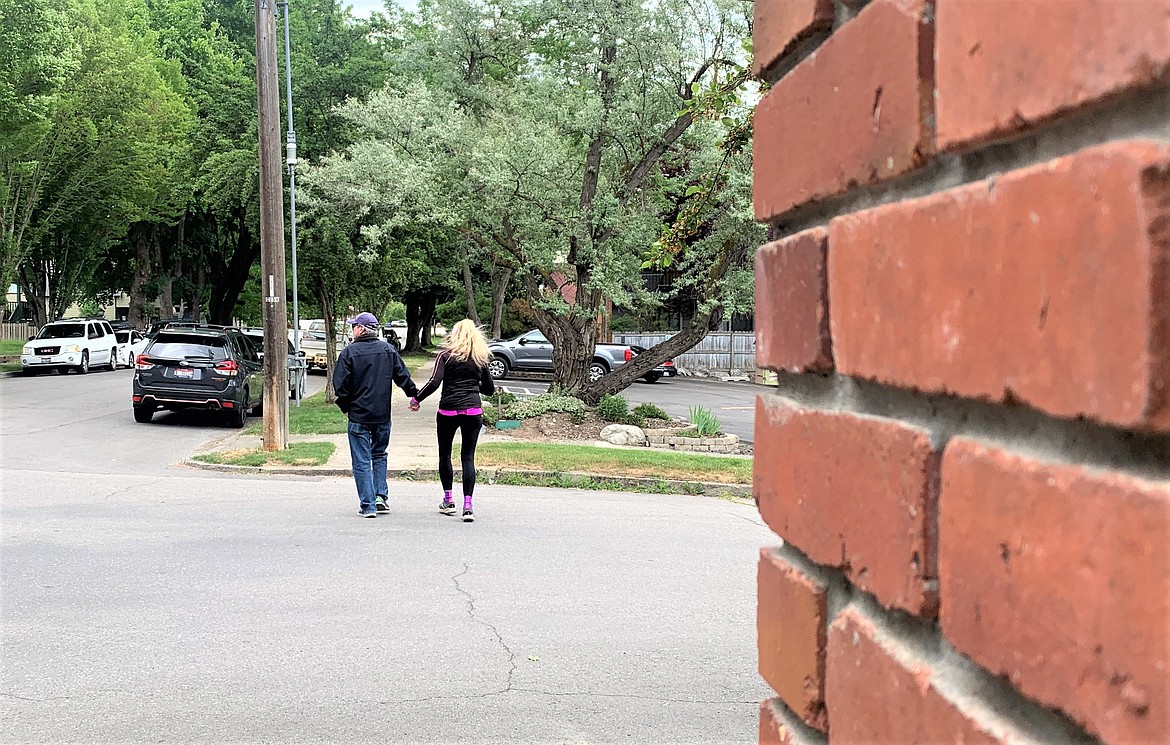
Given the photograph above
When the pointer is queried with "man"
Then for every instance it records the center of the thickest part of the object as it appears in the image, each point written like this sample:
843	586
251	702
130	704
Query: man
361	381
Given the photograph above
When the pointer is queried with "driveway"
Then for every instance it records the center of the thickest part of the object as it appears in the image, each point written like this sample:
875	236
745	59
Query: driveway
146	602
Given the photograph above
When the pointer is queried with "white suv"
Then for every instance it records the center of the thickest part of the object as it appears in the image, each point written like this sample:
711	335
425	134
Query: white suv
71	344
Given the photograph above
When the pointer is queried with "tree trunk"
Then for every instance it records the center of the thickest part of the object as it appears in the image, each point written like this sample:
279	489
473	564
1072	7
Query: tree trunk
195	299
681	342
427	313
501	276
143	270
468	288
413	302
226	288
329	316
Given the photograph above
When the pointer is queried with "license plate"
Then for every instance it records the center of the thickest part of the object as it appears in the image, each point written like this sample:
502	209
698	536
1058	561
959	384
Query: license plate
184	372
46	359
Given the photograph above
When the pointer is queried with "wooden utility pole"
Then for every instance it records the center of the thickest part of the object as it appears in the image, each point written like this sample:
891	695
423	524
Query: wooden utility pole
271	232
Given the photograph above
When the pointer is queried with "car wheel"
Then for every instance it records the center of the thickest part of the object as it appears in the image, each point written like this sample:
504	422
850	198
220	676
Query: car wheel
652	377
596	370
83	368
239	417
143	414
113	364
498	368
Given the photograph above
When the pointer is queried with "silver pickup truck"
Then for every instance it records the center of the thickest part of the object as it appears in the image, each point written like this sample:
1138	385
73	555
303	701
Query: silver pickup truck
533	352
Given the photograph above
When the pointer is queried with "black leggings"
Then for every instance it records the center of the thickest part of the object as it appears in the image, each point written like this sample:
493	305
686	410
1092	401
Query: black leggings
447	425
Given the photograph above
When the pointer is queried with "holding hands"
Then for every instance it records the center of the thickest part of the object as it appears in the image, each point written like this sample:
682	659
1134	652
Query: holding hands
414	404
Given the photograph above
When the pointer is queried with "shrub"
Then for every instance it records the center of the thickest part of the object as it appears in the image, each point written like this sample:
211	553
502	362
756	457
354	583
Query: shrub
705	422
650	411
544	404
613	408
490	415
635	419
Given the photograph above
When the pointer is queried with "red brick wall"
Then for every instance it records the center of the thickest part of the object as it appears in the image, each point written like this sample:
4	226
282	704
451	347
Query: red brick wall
968	301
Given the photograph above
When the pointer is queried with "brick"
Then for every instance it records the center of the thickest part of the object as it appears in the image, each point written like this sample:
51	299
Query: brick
1046	286
853	492
778	727
791	621
782	24
1058	577
856	112
878	694
792	304
1004	67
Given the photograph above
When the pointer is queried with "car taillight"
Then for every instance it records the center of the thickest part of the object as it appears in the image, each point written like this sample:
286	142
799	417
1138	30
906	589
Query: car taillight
668	363
629	354
142	362
227	367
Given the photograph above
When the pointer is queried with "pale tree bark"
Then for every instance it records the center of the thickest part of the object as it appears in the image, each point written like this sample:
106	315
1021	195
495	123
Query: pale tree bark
329	315
468	287
501	276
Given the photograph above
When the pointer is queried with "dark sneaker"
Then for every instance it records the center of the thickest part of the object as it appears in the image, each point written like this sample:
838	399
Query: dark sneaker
380	505
468	516
368	513
447	507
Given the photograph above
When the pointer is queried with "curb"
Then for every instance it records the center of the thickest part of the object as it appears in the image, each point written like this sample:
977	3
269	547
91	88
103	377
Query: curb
490	475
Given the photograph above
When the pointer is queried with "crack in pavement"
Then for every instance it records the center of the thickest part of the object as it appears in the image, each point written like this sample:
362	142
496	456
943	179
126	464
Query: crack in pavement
60	698
499	639
512	667
631	696
125	489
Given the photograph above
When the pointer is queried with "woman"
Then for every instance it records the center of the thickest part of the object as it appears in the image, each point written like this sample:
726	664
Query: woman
461	368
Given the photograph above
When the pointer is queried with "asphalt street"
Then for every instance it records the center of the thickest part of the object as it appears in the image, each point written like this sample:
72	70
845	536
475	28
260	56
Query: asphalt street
733	403
145	601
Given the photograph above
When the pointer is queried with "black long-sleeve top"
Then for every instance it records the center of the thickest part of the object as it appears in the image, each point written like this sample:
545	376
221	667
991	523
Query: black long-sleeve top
463	383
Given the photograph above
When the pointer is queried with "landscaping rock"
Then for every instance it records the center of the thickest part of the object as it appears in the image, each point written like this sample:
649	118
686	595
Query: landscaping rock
623	434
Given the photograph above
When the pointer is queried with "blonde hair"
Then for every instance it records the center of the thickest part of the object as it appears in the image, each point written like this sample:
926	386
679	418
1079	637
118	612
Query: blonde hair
465	341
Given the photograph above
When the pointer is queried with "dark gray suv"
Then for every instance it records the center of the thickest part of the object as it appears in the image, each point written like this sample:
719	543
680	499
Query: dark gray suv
212	368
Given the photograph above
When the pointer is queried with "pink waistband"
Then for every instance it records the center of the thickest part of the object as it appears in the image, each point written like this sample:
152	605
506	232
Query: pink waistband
469	412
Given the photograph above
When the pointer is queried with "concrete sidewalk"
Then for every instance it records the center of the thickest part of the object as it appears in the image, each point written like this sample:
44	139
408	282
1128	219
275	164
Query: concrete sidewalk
412	435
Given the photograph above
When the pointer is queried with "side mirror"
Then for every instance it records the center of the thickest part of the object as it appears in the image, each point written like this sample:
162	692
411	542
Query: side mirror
301	353
32	337
523	341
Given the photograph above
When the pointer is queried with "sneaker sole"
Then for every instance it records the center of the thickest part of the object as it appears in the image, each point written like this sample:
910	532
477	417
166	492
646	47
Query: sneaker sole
368	514
448	511
469	518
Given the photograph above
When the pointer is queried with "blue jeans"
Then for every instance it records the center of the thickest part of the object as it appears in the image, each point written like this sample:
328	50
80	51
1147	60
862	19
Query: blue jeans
367	452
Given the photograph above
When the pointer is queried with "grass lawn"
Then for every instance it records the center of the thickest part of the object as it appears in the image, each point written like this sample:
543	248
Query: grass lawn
11	348
613	462
297	454
312	417
10	367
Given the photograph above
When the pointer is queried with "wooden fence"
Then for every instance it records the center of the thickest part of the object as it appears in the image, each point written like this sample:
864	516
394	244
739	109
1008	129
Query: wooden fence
721	351
16	331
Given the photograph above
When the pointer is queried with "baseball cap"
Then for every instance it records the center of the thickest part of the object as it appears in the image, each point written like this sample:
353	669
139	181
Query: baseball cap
363	319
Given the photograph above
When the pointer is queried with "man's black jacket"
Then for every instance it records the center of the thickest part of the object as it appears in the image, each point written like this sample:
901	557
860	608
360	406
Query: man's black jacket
362	379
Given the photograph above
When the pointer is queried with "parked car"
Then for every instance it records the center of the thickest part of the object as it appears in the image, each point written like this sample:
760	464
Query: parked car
666	370
533	352
70	344
174	323
296	365
208	367
131	343
313	342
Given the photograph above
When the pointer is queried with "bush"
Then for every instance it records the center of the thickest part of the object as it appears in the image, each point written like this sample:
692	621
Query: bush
650	411
501	398
490	415
613	408
705	422
546	403
635	419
